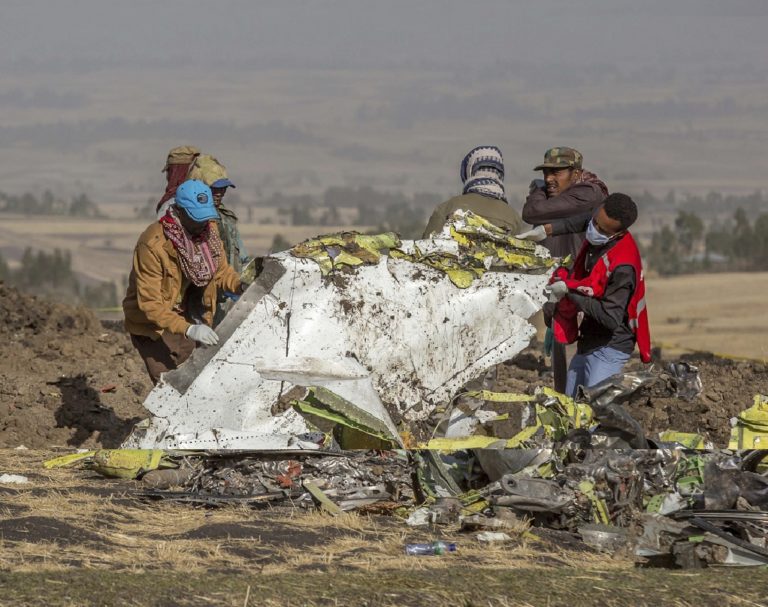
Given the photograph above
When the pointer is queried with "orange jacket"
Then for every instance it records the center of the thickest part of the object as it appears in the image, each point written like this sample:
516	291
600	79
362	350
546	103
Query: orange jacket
154	287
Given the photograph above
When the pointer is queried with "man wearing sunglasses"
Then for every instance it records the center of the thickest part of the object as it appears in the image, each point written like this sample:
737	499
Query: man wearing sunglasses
606	284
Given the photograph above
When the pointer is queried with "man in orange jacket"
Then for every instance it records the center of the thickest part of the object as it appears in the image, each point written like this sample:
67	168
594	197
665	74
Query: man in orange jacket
178	265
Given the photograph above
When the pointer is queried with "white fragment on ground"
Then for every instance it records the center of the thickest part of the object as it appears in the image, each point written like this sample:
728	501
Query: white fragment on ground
14	479
493	536
22	448
419	517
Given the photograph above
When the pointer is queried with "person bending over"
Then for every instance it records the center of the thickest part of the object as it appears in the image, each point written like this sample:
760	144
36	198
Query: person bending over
606	284
178	264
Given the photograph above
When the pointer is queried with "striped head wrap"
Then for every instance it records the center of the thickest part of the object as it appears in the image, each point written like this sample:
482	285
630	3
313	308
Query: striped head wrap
482	172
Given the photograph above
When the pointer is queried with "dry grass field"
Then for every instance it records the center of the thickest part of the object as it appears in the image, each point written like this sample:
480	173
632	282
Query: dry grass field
69	537
721	313
298	130
102	248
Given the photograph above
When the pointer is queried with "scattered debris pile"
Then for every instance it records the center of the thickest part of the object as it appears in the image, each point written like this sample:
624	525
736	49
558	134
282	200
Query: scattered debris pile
669	507
728	386
326	352
582	466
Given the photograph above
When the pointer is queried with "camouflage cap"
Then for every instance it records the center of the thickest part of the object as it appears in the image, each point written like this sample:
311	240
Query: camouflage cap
183	154
561	158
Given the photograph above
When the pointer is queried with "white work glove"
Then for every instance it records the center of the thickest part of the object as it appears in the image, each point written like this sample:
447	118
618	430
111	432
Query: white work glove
203	334
557	290
537	234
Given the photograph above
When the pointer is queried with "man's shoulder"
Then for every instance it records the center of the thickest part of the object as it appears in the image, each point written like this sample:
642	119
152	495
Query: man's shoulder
586	190
153	236
625	253
473	201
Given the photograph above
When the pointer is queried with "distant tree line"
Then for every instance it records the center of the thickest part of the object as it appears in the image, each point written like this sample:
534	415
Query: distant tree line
44	273
711	204
48	204
736	244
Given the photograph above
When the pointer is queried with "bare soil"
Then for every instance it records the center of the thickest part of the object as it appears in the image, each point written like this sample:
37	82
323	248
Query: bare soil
65	378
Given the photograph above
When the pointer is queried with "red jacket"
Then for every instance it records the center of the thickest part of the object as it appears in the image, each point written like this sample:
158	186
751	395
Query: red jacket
624	252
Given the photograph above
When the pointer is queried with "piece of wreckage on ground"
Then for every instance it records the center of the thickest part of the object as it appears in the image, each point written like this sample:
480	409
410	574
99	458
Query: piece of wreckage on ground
354	342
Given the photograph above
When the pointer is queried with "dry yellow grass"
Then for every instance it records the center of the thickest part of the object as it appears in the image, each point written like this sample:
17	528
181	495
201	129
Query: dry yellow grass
722	313
67	518
70	537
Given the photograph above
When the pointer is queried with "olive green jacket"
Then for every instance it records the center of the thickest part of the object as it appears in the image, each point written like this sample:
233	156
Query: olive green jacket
496	211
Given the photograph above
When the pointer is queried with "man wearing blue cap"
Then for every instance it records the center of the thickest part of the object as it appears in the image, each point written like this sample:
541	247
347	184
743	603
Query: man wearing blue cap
178	264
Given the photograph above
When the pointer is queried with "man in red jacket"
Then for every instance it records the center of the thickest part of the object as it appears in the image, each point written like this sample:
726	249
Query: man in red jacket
606	284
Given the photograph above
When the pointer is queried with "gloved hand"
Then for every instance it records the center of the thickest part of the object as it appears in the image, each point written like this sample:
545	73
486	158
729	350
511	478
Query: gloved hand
537	234
557	290
539	184
203	334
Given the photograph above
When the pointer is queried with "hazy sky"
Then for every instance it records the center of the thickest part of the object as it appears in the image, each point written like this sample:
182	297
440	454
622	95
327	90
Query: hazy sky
310	93
84	34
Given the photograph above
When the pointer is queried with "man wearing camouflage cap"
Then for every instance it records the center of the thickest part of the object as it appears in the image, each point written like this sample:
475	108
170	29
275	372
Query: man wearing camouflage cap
567	190
211	172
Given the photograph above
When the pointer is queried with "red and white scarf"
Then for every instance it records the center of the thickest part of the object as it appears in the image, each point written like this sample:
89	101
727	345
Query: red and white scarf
199	255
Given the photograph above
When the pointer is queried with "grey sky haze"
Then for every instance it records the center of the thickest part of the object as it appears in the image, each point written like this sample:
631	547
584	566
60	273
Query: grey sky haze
309	93
83	34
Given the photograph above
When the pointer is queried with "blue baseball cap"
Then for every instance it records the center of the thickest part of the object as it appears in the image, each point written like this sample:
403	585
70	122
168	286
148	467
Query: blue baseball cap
223	183
197	200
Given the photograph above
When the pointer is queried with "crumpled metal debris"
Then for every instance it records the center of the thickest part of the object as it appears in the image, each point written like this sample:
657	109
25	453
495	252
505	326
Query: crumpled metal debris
701	539
470	246
605	538
345	481
120	463
685	380
750	427
346	249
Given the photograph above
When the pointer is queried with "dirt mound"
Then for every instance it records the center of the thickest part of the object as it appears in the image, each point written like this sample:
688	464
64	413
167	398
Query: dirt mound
65	379
729	387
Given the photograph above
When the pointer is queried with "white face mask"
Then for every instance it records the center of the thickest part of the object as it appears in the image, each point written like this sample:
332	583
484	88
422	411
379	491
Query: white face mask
597	238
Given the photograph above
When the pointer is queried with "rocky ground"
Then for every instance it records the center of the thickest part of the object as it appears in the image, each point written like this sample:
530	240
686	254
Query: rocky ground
67	379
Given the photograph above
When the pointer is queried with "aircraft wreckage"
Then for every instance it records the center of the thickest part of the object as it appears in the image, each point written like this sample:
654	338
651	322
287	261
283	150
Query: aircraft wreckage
378	336
373	329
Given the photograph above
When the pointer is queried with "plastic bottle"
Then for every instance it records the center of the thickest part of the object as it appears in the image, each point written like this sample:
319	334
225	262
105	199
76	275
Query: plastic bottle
433	548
